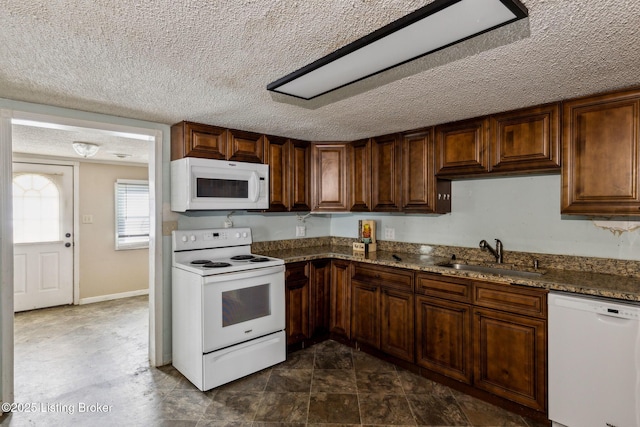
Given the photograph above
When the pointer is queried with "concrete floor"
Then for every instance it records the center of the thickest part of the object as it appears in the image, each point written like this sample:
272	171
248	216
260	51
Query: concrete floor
88	366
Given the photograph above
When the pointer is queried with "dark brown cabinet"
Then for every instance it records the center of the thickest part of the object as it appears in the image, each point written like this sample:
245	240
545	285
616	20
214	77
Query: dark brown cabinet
340	296
298	295
190	139
319	310
443	326
382	304
421	191
360	176
526	140
462	148
386	178
329	176
289	174
245	146
510	343
601	155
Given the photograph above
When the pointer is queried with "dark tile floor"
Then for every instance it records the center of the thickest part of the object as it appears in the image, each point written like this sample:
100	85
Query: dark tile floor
87	365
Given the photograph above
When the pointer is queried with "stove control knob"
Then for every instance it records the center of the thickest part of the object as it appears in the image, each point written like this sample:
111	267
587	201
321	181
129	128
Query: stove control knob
245	234
184	238
237	235
193	238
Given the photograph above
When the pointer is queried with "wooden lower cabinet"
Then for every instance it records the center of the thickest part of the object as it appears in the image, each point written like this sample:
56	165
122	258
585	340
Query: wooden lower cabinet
396	323
319	311
365	314
298	297
510	355
443	331
340	297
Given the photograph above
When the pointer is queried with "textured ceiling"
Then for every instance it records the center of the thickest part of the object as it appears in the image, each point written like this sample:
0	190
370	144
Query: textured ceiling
172	60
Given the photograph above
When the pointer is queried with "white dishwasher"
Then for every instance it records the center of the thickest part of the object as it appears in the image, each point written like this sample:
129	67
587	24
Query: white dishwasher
594	362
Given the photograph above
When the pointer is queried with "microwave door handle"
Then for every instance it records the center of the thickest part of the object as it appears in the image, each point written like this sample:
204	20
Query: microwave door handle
254	187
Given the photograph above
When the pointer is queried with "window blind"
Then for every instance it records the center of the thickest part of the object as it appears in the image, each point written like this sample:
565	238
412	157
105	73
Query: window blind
132	214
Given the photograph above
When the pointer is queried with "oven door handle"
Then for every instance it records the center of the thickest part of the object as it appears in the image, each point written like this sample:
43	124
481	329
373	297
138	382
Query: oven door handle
254	187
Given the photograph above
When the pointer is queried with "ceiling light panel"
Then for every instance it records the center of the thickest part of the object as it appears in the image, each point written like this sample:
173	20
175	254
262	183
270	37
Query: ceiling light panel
431	28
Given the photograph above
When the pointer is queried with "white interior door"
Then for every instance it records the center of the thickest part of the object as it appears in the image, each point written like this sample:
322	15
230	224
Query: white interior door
43	235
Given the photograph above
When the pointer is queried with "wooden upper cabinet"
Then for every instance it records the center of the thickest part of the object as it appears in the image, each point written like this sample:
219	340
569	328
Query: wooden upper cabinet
289	162
385	173
420	192
526	140
277	156
601	155
462	148
360	176
300	169
329	179
190	139
245	146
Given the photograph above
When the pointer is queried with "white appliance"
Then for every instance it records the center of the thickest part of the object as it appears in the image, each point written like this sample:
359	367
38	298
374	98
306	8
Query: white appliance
228	307
594	362
206	184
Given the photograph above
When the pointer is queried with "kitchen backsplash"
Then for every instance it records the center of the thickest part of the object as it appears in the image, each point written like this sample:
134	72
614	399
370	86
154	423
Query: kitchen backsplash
522	259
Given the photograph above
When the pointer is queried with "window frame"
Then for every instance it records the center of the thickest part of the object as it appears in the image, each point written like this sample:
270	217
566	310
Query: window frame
120	244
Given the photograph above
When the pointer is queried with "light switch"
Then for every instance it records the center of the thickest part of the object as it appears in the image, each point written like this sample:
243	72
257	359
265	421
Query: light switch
301	231
87	219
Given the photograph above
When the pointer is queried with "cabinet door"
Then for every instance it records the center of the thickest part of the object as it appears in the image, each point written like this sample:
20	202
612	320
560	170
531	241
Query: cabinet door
340	294
360	176
277	156
510	354
245	146
418	175
461	148
319	311
396	323
297	302
365	316
330	177
526	140
300	173
443	337
601	155
385	173
190	139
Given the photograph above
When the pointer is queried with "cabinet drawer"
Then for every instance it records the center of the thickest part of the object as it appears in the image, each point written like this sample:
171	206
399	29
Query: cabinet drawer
529	302
390	277
448	288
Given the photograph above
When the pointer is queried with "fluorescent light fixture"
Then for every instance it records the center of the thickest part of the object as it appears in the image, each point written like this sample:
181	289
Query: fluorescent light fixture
85	149
431	28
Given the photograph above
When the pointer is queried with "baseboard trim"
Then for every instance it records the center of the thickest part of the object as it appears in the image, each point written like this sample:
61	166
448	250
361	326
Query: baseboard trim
110	297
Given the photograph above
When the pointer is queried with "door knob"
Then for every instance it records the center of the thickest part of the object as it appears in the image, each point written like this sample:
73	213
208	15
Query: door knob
67	235
66	245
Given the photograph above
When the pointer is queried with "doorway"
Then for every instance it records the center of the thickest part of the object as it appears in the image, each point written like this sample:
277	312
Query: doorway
42	235
150	134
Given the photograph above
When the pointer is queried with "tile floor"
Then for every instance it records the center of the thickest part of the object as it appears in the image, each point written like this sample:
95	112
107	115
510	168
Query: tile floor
87	365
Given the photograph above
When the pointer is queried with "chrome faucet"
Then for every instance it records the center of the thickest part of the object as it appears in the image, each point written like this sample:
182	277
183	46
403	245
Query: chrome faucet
497	252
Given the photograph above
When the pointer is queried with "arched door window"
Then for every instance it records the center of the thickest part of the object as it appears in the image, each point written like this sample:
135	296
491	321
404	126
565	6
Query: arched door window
36	209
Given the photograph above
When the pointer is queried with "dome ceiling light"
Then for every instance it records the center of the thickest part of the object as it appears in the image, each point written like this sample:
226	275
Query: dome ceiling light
85	149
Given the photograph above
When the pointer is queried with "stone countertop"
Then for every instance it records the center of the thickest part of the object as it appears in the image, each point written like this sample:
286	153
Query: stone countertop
586	283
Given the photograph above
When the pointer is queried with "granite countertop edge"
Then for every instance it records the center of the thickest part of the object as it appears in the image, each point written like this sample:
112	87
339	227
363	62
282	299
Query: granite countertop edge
585	283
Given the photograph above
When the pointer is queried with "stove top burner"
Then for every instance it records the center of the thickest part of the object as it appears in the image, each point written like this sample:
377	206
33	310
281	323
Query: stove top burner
200	261
216	265
242	257
261	259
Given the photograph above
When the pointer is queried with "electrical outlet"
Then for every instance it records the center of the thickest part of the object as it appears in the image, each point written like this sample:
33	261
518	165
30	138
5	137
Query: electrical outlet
301	231
389	233
87	219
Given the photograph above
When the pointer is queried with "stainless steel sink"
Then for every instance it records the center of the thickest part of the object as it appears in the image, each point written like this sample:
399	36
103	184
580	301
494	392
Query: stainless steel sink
493	270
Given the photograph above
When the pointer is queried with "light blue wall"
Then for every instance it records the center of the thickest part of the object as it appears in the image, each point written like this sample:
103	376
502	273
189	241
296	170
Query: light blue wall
523	212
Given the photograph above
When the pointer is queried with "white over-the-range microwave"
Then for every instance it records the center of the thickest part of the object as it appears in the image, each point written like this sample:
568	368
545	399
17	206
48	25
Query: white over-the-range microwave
207	184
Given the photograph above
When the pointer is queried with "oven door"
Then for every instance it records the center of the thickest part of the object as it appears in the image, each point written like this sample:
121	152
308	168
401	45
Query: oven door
241	306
